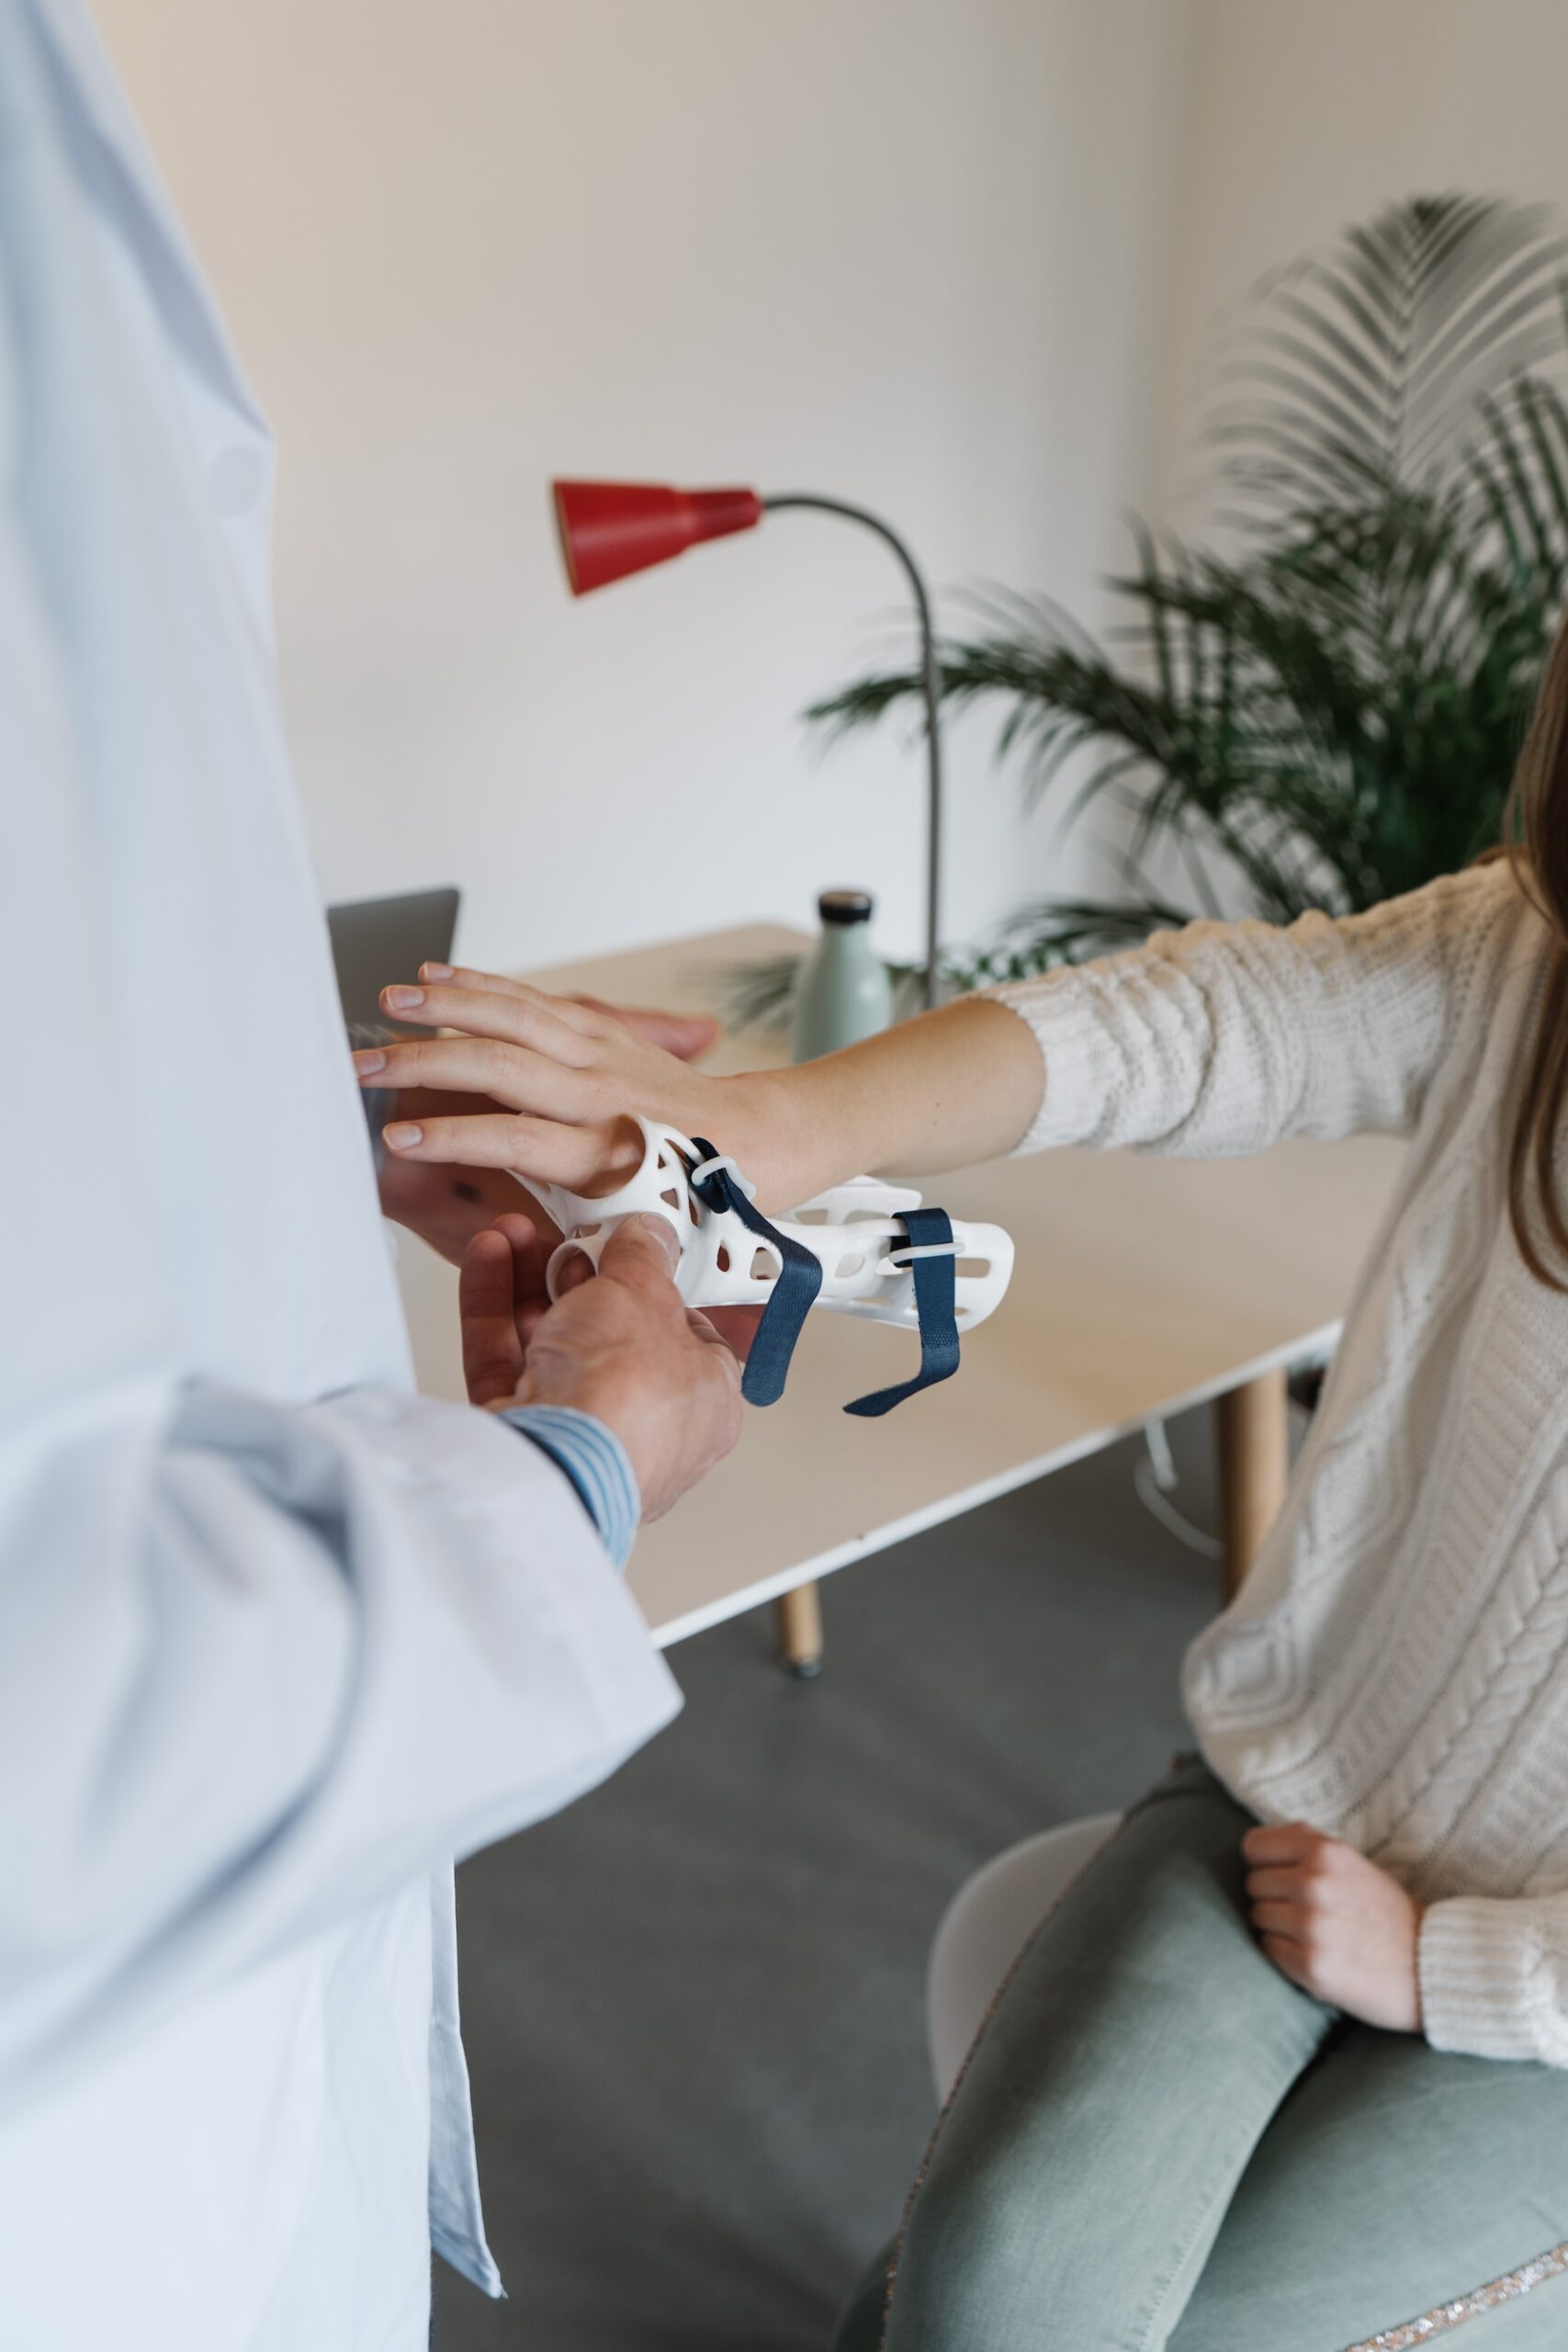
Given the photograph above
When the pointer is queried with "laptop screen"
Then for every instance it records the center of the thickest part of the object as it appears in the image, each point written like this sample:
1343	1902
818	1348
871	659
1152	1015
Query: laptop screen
378	940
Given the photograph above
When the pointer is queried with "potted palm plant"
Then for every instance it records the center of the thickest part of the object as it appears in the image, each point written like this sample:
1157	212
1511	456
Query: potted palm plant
1323	707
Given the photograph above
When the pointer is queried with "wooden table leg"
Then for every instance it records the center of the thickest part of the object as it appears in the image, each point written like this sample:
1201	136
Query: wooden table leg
1252	1433
797	1620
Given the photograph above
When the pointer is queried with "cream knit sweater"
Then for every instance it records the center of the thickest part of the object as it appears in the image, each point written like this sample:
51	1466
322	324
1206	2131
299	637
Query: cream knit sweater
1395	1669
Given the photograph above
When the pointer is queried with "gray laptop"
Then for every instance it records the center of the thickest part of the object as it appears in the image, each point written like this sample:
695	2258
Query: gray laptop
378	940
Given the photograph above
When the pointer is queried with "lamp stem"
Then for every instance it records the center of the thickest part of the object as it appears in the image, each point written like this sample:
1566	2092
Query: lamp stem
932	681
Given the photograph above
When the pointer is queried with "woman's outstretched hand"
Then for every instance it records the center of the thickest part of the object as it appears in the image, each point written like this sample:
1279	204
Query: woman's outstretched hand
447	1200
560	1076
565	1081
1335	1923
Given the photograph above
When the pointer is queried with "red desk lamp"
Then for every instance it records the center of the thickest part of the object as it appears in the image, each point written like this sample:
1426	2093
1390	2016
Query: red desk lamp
609	529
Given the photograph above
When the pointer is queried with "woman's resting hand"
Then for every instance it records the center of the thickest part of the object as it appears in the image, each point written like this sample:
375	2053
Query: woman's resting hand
1335	1923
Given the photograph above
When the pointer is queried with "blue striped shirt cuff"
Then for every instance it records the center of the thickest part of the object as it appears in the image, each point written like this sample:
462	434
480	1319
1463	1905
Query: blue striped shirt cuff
596	1462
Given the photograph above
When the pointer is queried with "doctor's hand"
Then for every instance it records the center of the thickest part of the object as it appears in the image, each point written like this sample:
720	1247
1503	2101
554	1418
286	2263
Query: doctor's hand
620	1345
448	1205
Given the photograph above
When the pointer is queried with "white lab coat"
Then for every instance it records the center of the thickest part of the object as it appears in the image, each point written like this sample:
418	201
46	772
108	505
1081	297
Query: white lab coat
277	1640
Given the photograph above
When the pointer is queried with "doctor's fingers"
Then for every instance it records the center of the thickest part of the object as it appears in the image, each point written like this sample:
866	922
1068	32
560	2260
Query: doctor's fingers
585	1158
641	1255
734	1327
492	1344
519	1017
521	1080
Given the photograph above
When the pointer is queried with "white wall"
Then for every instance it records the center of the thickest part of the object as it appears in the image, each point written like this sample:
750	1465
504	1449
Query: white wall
915	252
1307	117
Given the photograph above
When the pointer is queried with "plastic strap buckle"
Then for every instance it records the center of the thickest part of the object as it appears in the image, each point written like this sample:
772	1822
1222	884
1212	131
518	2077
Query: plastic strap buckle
719	1185
931	1255
720	1162
909	1254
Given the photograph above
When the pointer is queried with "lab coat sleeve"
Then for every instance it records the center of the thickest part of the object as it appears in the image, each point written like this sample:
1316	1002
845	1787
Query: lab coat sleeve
260	1662
260	1666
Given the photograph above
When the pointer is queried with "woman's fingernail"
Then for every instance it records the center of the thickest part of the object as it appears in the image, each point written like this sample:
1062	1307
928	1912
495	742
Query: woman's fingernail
368	1062
436	971
401	1000
401	1135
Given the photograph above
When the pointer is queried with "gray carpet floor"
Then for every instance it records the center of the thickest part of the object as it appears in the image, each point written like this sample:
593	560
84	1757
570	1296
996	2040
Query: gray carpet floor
693	2003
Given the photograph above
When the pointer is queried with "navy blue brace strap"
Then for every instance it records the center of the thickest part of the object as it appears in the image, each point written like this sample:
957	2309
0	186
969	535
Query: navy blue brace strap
800	1279
936	1299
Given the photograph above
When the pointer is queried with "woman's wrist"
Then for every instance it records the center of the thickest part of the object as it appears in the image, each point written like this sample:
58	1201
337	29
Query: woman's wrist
752	1117
942	1091
761	1118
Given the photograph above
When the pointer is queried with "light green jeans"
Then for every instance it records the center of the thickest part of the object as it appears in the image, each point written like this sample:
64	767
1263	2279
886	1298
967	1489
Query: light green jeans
1159	2145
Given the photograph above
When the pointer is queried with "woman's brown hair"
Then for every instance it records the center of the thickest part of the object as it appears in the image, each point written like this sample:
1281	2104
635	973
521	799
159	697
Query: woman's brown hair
1536	843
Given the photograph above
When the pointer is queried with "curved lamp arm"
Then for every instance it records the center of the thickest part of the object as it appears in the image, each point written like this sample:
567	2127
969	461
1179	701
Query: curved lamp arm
609	529
932	696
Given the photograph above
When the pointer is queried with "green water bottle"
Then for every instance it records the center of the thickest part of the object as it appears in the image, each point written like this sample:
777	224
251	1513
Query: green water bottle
844	992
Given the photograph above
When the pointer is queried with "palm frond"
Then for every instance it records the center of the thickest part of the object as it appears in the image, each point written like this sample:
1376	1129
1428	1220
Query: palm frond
1364	366
1331	710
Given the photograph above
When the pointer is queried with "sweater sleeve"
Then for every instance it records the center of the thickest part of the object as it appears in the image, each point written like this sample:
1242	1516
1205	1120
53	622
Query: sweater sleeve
1495	1976
1223	1038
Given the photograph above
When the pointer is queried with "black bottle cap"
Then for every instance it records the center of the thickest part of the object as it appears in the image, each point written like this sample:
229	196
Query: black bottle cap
845	906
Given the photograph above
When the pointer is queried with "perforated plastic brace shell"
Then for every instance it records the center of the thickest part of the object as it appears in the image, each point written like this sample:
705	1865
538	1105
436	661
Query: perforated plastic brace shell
852	1229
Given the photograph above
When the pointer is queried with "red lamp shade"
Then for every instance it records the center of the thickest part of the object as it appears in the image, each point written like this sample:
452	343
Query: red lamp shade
609	528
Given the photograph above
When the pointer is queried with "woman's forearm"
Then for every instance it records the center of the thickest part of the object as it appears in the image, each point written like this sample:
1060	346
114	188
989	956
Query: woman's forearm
567	1082
952	1087
1221	1038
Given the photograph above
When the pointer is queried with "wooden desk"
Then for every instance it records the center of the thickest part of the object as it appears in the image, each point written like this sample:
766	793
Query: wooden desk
1142	1287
